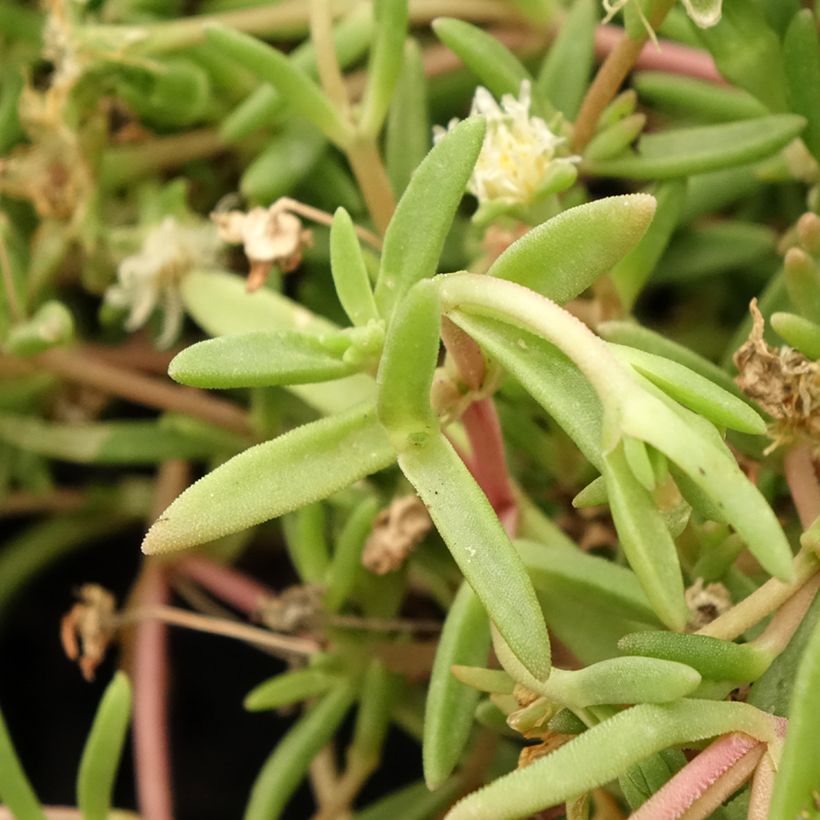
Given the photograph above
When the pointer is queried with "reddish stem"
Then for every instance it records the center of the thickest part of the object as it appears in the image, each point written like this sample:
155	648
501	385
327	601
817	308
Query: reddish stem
798	466
694	779
667	56
488	464
229	585
150	658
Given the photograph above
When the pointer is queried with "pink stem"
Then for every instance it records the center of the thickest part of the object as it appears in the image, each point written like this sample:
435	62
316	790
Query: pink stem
762	786
151	755
798	466
229	585
489	464
692	781
667	56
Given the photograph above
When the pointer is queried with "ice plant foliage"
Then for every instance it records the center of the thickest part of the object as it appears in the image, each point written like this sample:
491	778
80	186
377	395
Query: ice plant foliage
443	409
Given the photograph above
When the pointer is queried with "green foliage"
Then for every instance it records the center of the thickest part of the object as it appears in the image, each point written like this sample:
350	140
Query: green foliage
487	414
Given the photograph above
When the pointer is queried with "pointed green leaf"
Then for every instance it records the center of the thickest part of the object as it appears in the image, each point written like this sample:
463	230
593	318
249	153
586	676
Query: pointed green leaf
556	258
496	67
306	540
284	163
798	774
632	272
220	304
694	391
612	141
801	58
259	359
112	442
607	750
748	52
798	332
687	151
265	106
346	563
272	66
481	548
15	790
302	466
448	715
711	467
288	763
642	338
416	234
645	540
698	99
547	374
413	802
565	72
408	123
103	749
386	54
349	272
713	658
288	688
407	368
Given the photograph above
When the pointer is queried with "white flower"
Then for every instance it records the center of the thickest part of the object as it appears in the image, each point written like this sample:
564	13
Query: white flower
518	149
269	236
150	278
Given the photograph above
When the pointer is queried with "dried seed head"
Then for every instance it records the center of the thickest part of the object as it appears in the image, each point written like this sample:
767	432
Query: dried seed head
705	603
783	381
88	628
269	236
396	531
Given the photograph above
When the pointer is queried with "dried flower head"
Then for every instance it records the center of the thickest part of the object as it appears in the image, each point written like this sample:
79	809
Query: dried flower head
269	236
396	531
87	629
150	278
705	603
783	381
518	151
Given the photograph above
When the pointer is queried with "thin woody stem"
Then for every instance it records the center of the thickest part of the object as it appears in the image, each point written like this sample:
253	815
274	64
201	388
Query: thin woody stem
368	168
762	602
798	467
489	463
281	644
327	63
229	585
151	746
149	659
610	77
324	218
15	306
142	389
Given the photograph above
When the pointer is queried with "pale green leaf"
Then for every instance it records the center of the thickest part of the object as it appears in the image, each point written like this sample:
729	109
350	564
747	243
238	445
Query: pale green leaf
103	749
448	715
556	258
302	466
416	234
481	548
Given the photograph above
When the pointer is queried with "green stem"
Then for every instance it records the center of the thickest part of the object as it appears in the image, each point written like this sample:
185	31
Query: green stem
762	602
610	77
371	175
